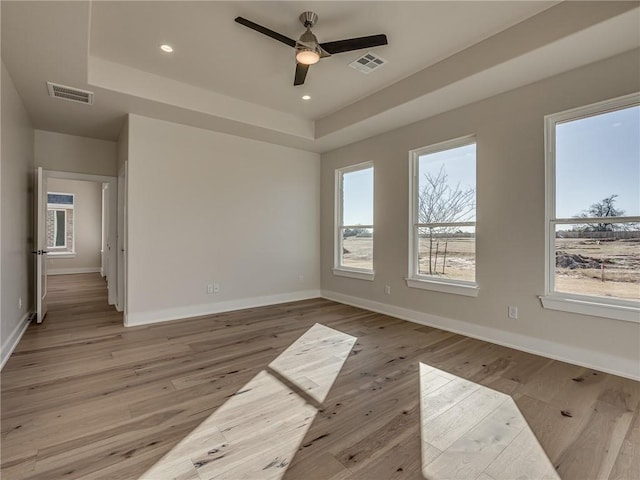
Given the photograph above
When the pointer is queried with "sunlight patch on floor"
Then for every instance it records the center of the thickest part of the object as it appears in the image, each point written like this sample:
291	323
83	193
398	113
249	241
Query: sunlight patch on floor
470	431
257	432
313	362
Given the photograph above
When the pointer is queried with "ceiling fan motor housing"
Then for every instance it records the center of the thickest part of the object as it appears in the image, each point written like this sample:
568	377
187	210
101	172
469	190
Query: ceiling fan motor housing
308	19
308	39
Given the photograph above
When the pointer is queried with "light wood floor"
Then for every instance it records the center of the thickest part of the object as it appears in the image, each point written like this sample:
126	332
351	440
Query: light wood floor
83	397
475	432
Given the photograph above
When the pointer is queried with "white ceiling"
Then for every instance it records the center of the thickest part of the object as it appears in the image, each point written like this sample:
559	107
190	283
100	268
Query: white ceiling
215	53
226	77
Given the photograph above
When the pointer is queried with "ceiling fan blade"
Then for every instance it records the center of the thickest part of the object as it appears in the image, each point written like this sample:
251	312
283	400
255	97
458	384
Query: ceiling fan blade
350	44
301	74
266	31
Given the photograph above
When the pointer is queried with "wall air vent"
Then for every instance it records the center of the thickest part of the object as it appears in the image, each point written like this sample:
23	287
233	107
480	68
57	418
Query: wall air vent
367	63
70	93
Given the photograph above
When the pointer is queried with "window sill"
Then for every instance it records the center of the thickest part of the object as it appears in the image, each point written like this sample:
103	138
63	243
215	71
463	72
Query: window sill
468	290
359	274
591	307
62	254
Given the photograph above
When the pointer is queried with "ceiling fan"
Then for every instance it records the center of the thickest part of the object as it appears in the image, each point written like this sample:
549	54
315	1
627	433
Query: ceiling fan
308	50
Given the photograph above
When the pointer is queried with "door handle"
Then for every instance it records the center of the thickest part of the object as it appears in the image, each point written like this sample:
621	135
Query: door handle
39	252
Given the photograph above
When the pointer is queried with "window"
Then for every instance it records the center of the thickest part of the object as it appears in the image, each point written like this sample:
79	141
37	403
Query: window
59	228
60	219
354	222
443	217
593	209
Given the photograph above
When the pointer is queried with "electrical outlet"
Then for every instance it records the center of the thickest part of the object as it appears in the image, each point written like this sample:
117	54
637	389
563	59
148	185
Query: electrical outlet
216	288
300	278
210	288
513	312
387	289
19	303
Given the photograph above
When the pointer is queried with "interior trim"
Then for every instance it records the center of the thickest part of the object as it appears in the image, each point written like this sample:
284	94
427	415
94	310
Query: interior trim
180	313
624	367
11	342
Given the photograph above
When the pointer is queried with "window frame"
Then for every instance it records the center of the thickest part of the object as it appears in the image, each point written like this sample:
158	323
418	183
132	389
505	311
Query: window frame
415	279
599	306
339	226
64	251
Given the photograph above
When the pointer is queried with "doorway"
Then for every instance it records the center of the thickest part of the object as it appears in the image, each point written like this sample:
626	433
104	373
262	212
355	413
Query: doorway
76	229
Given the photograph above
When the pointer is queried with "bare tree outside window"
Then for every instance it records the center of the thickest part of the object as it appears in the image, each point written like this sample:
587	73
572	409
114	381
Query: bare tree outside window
602	209
441	203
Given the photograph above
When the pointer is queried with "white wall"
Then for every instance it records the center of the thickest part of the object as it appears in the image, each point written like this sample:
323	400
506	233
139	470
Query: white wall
206	207
16	216
510	222
87	219
70	153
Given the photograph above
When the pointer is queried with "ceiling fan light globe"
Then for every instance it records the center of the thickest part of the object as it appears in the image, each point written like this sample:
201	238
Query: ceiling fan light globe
307	57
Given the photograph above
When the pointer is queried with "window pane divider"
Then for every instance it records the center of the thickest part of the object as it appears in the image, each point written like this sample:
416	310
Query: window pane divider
445	224
579	220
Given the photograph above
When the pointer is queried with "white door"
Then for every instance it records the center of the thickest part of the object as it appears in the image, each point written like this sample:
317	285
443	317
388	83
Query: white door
104	264
41	245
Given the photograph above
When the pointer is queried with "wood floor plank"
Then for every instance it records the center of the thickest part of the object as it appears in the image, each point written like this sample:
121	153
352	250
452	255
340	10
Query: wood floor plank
474	451
318	467
594	453
521	459
627	465
399	460
452	424
100	401
549	380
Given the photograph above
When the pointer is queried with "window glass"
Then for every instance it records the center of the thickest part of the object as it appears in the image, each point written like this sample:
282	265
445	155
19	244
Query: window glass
597	157
355	219
357	194
60	228
444	199
595	222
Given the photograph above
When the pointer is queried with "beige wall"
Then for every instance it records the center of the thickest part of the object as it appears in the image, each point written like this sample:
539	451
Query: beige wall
206	207
510	221
70	153
87	211
123	157
16	214
122	148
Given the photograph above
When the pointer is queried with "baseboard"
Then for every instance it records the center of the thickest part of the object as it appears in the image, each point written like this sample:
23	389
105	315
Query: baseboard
11	342
556	351
71	271
166	315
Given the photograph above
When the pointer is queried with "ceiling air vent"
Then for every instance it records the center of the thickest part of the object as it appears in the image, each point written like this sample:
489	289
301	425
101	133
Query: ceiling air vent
367	63
70	93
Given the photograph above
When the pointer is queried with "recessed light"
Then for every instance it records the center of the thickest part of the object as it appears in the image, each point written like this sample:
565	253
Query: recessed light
166	48
306	97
